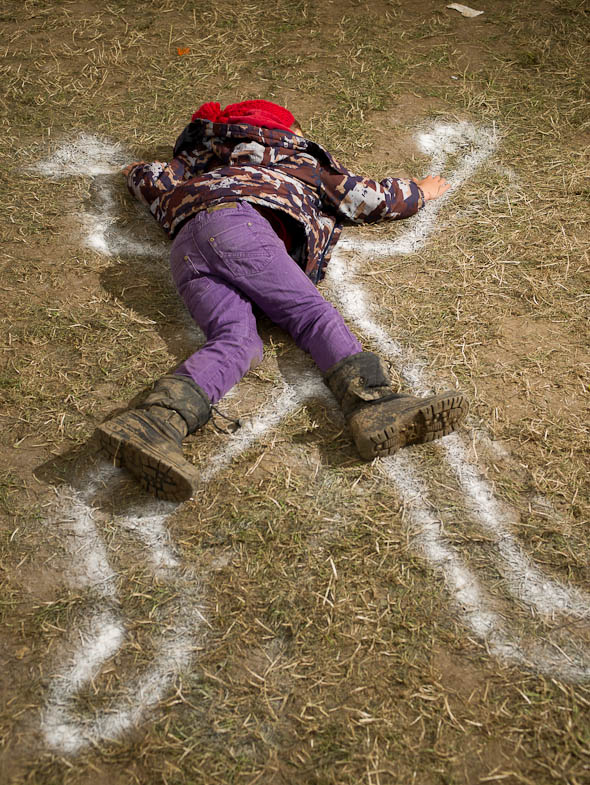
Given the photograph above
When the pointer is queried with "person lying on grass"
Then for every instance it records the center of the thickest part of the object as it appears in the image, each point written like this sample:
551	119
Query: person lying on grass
254	210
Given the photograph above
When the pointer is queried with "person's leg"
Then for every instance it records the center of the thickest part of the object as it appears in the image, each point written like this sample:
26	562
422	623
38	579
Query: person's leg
224	314
381	419
147	440
238	245
220	261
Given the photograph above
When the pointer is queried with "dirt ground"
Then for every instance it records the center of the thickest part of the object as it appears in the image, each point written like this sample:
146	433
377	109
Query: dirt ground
307	618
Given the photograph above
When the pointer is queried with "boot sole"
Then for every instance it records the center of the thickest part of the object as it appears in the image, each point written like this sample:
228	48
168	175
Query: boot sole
154	471
422	422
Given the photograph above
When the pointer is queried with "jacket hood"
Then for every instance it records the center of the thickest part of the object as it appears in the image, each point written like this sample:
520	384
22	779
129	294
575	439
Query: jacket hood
245	144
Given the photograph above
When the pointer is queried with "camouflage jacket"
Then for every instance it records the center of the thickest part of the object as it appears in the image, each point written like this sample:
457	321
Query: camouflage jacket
216	163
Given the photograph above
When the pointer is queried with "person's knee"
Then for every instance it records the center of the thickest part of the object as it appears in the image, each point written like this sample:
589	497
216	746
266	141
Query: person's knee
247	347
238	341
254	351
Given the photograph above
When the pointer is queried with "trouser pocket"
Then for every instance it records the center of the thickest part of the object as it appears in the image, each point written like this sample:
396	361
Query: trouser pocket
236	246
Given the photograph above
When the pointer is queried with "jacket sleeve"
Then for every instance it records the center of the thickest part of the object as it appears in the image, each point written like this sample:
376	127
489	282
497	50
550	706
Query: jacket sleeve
357	199
149	182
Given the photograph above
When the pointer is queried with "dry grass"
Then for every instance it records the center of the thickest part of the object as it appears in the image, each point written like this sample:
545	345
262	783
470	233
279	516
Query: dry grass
331	653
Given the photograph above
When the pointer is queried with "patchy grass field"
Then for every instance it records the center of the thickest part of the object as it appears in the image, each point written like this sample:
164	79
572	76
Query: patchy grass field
308	618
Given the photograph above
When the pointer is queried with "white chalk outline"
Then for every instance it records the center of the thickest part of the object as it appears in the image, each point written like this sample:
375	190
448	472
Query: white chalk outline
105	633
526	581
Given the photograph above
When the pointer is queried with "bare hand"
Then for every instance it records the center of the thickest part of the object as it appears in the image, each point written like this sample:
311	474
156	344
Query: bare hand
432	186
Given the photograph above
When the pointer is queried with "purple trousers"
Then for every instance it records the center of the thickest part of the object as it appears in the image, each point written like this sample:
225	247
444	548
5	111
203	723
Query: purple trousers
222	261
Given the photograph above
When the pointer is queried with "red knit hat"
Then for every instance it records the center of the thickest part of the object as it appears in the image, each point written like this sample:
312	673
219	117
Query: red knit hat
259	112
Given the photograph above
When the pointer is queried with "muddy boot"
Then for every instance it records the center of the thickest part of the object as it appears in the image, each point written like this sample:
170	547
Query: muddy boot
148	440
380	420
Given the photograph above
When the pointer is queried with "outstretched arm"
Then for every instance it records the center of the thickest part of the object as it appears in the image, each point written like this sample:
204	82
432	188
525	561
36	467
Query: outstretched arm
148	181
359	199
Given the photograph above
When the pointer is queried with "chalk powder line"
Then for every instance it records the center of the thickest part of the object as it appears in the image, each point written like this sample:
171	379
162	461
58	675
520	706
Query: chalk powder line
105	632
525	581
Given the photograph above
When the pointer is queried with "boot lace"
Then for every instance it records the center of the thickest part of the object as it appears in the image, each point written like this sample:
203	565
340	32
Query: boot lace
235	423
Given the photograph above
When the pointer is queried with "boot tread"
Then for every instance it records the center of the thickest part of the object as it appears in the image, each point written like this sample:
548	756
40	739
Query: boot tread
417	422
150	461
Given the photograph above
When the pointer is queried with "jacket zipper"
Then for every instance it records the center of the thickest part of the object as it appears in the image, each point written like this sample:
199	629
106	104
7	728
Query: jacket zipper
324	252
